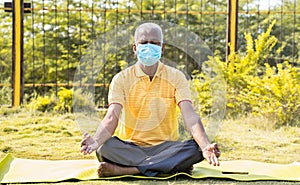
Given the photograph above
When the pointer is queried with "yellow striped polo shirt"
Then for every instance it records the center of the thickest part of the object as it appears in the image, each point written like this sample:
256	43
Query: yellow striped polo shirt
149	115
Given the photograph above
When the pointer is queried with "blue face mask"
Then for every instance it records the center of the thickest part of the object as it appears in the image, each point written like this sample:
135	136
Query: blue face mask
148	54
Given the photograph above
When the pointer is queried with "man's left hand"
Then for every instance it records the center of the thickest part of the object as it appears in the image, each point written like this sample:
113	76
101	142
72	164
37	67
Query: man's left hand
211	154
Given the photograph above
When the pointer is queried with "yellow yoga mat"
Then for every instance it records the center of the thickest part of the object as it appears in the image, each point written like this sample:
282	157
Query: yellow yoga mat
16	170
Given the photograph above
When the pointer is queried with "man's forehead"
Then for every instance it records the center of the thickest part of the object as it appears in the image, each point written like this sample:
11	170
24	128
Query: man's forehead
146	33
148	38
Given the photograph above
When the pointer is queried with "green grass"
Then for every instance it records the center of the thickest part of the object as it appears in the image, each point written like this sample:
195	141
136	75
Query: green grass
52	136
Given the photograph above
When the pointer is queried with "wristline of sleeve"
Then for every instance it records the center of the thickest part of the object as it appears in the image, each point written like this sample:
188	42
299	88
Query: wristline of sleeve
115	103
184	100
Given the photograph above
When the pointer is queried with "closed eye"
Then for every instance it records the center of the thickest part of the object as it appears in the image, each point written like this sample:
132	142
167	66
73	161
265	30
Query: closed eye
150	42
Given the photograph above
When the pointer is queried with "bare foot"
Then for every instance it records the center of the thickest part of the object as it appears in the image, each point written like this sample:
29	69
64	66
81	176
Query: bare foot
187	170
107	170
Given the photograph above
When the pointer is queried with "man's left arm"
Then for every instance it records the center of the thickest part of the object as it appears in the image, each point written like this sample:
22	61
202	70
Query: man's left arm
193	122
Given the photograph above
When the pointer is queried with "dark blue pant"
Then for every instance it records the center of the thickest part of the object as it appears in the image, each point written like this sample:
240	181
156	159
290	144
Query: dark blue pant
168	157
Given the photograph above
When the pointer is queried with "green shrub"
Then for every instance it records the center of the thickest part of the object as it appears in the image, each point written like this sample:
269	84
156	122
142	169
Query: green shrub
6	93
65	101
42	103
65	98
253	86
279	94
62	103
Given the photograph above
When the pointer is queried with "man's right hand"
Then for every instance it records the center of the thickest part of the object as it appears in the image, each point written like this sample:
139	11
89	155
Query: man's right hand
88	144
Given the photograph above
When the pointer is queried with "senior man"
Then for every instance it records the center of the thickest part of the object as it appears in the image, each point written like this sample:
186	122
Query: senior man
146	140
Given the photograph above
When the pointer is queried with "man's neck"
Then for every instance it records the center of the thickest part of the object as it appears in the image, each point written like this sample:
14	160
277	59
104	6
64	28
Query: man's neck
149	70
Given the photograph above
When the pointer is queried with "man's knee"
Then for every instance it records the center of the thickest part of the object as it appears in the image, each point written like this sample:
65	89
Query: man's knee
104	150
194	151
99	154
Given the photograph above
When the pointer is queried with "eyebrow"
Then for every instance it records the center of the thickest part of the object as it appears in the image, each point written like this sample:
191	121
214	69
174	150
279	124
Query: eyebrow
151	42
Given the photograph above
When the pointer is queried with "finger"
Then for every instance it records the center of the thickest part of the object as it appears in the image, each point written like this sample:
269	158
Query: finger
215	145
83	148
212	159
216	149
86	151
90	150
216	160
209	159
83	143
218	153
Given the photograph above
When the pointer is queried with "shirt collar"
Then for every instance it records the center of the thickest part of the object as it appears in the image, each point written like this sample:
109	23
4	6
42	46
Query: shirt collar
140	73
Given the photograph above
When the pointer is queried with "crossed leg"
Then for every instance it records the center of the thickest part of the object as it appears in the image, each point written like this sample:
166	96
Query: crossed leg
122	158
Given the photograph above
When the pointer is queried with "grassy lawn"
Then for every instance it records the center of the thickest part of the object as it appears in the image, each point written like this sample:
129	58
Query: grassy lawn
36	135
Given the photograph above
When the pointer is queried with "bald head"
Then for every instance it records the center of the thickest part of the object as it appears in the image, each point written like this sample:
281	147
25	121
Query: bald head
147	32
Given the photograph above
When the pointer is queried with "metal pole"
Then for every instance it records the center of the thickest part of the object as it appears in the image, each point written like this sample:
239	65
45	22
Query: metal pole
232	20
17	50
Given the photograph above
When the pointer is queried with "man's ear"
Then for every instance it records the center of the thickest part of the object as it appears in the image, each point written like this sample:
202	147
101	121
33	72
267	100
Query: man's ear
162	48
134	48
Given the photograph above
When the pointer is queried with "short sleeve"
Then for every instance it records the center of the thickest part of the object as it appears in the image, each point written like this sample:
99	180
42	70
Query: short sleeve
182	88
116	92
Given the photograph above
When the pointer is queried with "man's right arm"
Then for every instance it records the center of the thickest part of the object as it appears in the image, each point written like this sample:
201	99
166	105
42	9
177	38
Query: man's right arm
109	124
105	130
